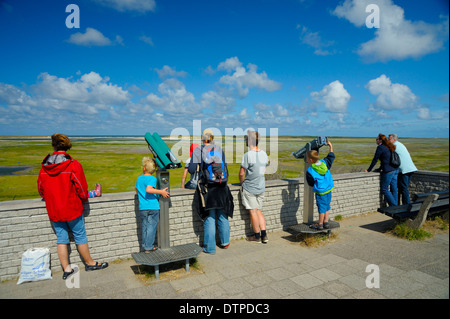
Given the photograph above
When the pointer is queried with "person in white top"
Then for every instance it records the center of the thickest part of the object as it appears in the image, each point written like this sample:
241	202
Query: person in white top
251	177
405	171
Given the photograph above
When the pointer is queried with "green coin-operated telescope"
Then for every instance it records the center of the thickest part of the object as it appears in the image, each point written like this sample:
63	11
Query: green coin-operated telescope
165	160
164	157
315	144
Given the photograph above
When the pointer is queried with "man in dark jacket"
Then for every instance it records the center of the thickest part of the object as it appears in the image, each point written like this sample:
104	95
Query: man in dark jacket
388	176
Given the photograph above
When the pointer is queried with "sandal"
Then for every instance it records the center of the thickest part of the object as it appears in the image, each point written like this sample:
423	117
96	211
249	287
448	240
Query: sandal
151	250
96	266
316	226
67	274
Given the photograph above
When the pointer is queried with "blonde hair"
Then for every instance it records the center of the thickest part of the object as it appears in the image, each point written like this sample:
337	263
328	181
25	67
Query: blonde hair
314	155
149	165
61	142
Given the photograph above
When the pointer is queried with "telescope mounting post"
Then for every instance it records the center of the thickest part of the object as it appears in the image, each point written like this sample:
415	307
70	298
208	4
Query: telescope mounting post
308	195
163	177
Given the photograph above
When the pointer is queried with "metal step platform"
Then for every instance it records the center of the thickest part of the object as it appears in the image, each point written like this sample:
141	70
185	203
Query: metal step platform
167	255
304	228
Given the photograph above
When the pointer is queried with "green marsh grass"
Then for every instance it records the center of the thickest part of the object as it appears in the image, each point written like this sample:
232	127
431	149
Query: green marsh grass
116	162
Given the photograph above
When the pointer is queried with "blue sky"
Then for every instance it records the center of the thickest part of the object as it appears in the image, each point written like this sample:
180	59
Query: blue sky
304	67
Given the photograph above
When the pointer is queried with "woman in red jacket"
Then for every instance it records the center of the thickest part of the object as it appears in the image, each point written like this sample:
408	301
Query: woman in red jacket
63	186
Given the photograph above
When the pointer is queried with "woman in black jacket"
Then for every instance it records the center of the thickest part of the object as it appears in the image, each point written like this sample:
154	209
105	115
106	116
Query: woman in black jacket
388	177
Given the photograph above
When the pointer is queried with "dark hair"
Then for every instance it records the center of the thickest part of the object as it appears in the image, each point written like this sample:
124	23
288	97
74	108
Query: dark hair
385	141
61	142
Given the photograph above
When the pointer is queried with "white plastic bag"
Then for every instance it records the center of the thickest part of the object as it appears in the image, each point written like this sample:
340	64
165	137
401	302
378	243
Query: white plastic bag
35	265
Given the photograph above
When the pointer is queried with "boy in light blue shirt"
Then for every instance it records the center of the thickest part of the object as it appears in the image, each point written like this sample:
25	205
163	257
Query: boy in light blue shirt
148	196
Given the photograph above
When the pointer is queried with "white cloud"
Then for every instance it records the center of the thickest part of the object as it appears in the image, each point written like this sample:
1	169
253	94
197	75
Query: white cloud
219	101
174	99
424	113
167	71
314	40
243	79
92	37
230	64
268	115
90	90
130	5
86	101
146	39
11	95
53	101
397	38
334	96
391	96
243	113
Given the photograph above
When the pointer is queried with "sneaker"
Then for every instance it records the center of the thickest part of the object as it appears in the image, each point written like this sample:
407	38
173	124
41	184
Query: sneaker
225	247
264	240
253	238
326	225
98	190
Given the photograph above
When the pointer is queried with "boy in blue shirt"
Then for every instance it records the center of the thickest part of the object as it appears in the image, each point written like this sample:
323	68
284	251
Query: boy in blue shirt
149	203
319	178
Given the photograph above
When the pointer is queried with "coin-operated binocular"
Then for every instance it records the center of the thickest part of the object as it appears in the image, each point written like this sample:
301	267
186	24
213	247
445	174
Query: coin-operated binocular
161	152
315	144
165	159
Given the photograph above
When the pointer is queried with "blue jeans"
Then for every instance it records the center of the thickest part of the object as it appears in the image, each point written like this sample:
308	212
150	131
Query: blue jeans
150	219
209	239
403	187
76	226
388	184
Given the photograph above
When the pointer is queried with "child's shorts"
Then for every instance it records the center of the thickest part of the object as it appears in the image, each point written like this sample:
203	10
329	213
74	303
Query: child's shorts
76	226
323	202
252	201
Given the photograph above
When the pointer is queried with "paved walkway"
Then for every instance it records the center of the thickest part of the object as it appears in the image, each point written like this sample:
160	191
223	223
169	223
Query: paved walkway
277	270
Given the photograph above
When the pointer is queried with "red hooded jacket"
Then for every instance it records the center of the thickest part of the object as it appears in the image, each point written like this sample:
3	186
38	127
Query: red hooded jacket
63	186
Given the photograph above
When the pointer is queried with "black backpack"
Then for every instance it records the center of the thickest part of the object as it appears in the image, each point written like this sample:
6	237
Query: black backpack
395	160
213	168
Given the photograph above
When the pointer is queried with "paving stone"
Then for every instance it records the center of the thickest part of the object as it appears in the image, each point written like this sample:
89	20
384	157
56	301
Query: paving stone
286	287
354	281
235	286
325	274
281	269
279	273
306	281
338	289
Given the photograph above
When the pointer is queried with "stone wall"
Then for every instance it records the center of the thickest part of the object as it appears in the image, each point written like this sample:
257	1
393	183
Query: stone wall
114	229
